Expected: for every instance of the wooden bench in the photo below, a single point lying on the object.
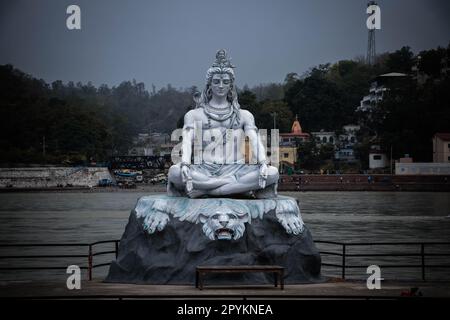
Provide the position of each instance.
(278, 272)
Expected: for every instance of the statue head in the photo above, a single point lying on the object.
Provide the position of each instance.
(219, 81)
(224, 224)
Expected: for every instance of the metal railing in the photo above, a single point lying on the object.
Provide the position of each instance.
(90, 255)
(343, 253)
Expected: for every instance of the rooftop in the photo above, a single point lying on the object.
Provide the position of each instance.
(443, 136)
(393, 74)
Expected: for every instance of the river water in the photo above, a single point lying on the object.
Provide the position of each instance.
(71, 217)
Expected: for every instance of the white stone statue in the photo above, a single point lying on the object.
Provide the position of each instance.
(221, 173)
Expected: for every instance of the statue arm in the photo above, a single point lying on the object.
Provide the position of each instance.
(188, 137)
(251, 131)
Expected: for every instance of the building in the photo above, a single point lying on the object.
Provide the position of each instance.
(441, 147)
(166, 149)
(141, 151)
(153, 144)
(295, 136)
(378, 87)
(343, 143)
(345, 155)
(289, 143)
(288, 155)
(440, 164)
(324, 137)
(422, 168)
(377, 158)
(348, 138)
(406, 159)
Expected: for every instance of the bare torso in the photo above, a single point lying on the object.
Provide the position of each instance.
(216, 138)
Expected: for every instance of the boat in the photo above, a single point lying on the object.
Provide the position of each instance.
(125, 173)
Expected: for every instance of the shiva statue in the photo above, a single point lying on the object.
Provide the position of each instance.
(222, 170)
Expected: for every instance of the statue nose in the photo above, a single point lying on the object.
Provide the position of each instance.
(223, 221)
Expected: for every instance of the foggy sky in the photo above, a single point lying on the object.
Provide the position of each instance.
(174, 41)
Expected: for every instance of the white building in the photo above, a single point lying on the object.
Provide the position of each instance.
(347, 139)
(323, 137)
(345, 154)
(378, 88)
(378, 160)
(441, 147)
(343, 144)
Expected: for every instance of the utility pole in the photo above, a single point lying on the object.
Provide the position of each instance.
(43, 146)
(274, 115)
(391, 160)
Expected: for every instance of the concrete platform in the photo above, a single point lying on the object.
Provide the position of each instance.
(333, 289)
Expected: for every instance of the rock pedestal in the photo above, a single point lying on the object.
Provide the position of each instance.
(167, 237)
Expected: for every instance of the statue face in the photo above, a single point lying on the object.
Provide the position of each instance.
(224, 224)
(220, 84)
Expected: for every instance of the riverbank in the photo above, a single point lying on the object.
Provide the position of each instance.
(138, 189)
(36, 178)
(346, 182)
(361, 182)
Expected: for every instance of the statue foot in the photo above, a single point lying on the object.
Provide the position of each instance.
(172, 191)
(193, 194)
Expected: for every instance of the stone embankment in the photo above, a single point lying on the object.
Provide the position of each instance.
(52, 177)
(362, 182)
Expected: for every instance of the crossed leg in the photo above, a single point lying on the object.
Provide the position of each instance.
(248, 182)
(200, 180)
(221, 186)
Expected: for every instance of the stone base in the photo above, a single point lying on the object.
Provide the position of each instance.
(171, 255)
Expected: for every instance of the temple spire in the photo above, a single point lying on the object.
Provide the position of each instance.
(296, 127)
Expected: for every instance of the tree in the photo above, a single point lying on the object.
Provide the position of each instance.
(247, 100)
(410, 115)
(318, 103)
(401, 60)
(284, 116)
(308, 155)
(290, 80)
(430, 61)
(271, 91)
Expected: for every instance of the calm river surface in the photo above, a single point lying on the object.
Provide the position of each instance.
(335, 216)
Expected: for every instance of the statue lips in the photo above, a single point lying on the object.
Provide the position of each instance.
(224, 234)
(224, 219)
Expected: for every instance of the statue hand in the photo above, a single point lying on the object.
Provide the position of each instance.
(184, 173)
(186, 178)
(263, 171)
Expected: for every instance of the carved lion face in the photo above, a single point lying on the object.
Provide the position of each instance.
(221, 225)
